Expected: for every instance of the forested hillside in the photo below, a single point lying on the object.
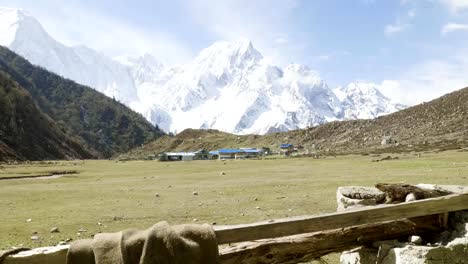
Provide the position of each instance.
(104, 125)
(27, 133)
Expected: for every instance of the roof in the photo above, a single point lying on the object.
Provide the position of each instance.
(252, 150)
(201, 151)
(179, 153)
(230, 151)
(286, 145)
(215, 152)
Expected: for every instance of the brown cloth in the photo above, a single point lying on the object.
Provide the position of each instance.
(159, 244)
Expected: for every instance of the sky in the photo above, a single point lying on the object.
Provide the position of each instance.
(415, 50)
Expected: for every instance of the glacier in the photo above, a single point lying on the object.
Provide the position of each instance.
(229, 86)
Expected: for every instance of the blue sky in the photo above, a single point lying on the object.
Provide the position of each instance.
(414, 49)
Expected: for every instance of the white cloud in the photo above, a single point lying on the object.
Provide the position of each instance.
(281, 40)
(263, 21)
(451, 27)
(429, 79)
(456, 5)
(114, 37)
(392, 29)
(401, 23)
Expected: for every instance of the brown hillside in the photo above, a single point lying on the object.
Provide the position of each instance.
(437, 125)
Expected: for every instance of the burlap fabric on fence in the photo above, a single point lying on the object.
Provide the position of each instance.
(159, 244)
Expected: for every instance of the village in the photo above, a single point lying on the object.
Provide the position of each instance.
(285, 149)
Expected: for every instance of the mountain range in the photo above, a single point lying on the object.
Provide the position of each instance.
(229, 86)
(440, 124)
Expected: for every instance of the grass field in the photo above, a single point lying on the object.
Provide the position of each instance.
(122, 195)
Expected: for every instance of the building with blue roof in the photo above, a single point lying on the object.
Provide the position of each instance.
(241, 153)
(286, 149)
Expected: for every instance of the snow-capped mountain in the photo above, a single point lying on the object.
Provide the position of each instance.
(229, 86)
(23, 34)
(363, 100)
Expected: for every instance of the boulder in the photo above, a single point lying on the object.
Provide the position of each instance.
(354, 196)
(451, 246)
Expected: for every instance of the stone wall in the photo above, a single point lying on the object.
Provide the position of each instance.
(450, 246)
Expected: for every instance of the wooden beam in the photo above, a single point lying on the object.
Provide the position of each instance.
(292, 249)
(309, 224)
(307, 247)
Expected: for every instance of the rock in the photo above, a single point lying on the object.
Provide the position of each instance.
(222, 173)
(255, 199)
(62, 243)
(417, 240)
(68, 239)
(258, 208)
(156, 195)
(410, 197)
(195, 193)
(54, 230)
(195, 220)
(353, 196)
(82, 230)
(28, 220)
(386, 140)
(200, 204)
(359, 256)
(35, 238)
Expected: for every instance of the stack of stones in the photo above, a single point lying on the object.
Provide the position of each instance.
(449, 247)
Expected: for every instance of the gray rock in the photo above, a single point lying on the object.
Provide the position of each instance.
(410, 197)
(54, 230)
(352, 196)
(417, 240)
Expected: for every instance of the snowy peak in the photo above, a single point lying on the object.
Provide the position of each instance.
(143, 69)
(10, 21)
(363, 100)
(363, 89)
(23, 34)
(226, 57)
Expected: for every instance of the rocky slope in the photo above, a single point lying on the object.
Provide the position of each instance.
(437, 125)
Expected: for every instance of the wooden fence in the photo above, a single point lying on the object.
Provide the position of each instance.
(300, 239)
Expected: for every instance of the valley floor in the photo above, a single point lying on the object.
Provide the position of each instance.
(107, 196)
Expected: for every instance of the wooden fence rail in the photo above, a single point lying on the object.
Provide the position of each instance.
(299, 239)
(368, 215)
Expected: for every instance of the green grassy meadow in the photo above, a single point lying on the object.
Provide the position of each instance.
(122, 195)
